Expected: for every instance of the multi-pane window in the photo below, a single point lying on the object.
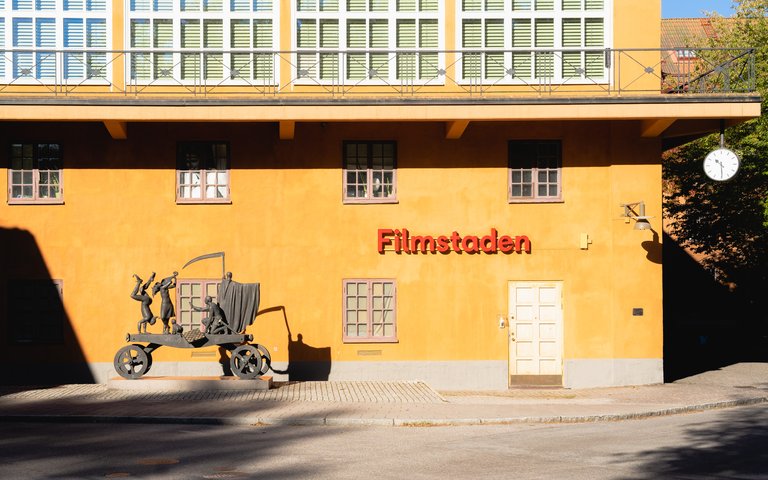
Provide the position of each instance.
(370, 172)
(369, 310)
(202, 172)
(194, 291)
(523, 40)
(379, 40)
(216, 41)
(48, 39)
(35, 311)
(34, 173)
(535, 170)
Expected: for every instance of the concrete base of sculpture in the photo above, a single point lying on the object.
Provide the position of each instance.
(189, 384)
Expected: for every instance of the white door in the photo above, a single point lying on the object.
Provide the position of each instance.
(535, 331)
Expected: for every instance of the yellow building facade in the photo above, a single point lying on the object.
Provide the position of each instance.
(424, 190)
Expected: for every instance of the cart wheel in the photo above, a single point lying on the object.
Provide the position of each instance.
(132, 361)
(246, 362)
(266, 359)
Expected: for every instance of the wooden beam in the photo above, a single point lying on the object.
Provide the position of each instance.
(455, 129)
(118, 130)
(654, 128)
(287, 129)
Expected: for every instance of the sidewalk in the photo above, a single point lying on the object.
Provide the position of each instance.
(385, 403)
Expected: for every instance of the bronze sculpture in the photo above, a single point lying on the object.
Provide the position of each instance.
(215, 323)
(166, 307)
(140, 294)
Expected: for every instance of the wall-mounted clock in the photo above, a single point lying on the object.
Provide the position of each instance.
(721, 164)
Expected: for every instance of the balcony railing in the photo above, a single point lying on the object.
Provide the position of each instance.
(335, 74)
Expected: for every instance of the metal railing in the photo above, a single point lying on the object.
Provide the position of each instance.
(375, 73)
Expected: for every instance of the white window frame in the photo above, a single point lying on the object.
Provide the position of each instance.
(557, 15)
(59, 15)
(226, 16)
(392, 16)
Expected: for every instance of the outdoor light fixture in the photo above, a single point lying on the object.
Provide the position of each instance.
(636, 211)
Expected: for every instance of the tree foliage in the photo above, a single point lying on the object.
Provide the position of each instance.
(727, 223)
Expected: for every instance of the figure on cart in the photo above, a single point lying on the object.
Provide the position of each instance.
(139, 294)
(215, 323)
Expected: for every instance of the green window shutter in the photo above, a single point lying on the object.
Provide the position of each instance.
(307, 33)
(595, 37)
(572, 32)
(406, 5)
(329, 38)
(262, 5)
(594, 4)
(213, 37)
(521, 4)
(544, 36)
(521, 33)
(356, 5)
(406, 39)
(240, 32)
(494, 5)
(545, 33)
(379, 35)
(240, 5)
(140, 37)
(595, 32)
(428, 5)
(494, 38)
(379, 5)
(307, 5)
(190, 5)
(190, 33)
(240, 38)
(307, 38)
(262, 33)
(572, 4)
(357, 67)
(190, 38)
(329, 5)
(213, 5)
(163, 34)
(428, 38)
(163, 5)
(545, 5)
(471, 5)
(472, 37)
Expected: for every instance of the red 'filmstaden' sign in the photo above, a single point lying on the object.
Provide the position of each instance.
(401, 241)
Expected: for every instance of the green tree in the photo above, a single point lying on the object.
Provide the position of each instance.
(727, 223)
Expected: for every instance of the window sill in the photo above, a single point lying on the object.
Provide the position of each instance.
(223, 201)
(369, 340)
(534, 200)
(370, 201)
(35, 202)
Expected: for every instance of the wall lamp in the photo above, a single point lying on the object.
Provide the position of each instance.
(636, 211)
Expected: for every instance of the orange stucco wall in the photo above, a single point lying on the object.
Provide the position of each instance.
(288, 228)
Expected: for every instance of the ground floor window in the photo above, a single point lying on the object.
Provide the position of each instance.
(194, 291)
(35, 311)
(369, 310)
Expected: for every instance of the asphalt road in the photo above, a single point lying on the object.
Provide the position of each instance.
(721, 444)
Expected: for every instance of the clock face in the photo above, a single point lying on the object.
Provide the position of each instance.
(721, 164)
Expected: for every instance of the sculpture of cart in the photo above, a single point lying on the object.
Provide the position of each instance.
(239, 302)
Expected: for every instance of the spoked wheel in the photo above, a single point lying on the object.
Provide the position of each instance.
(132, 361)
(266, 359)
(246, 361)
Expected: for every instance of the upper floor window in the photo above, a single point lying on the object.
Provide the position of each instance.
(369, 311)
(35, 311)
(47, 41)
(211, 41)
(535, 171)
(370, 172)
(34, 175)
(202, 172)
(379, 40)
(559, 41)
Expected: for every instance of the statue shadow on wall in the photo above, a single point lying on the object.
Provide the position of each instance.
(305, 362)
